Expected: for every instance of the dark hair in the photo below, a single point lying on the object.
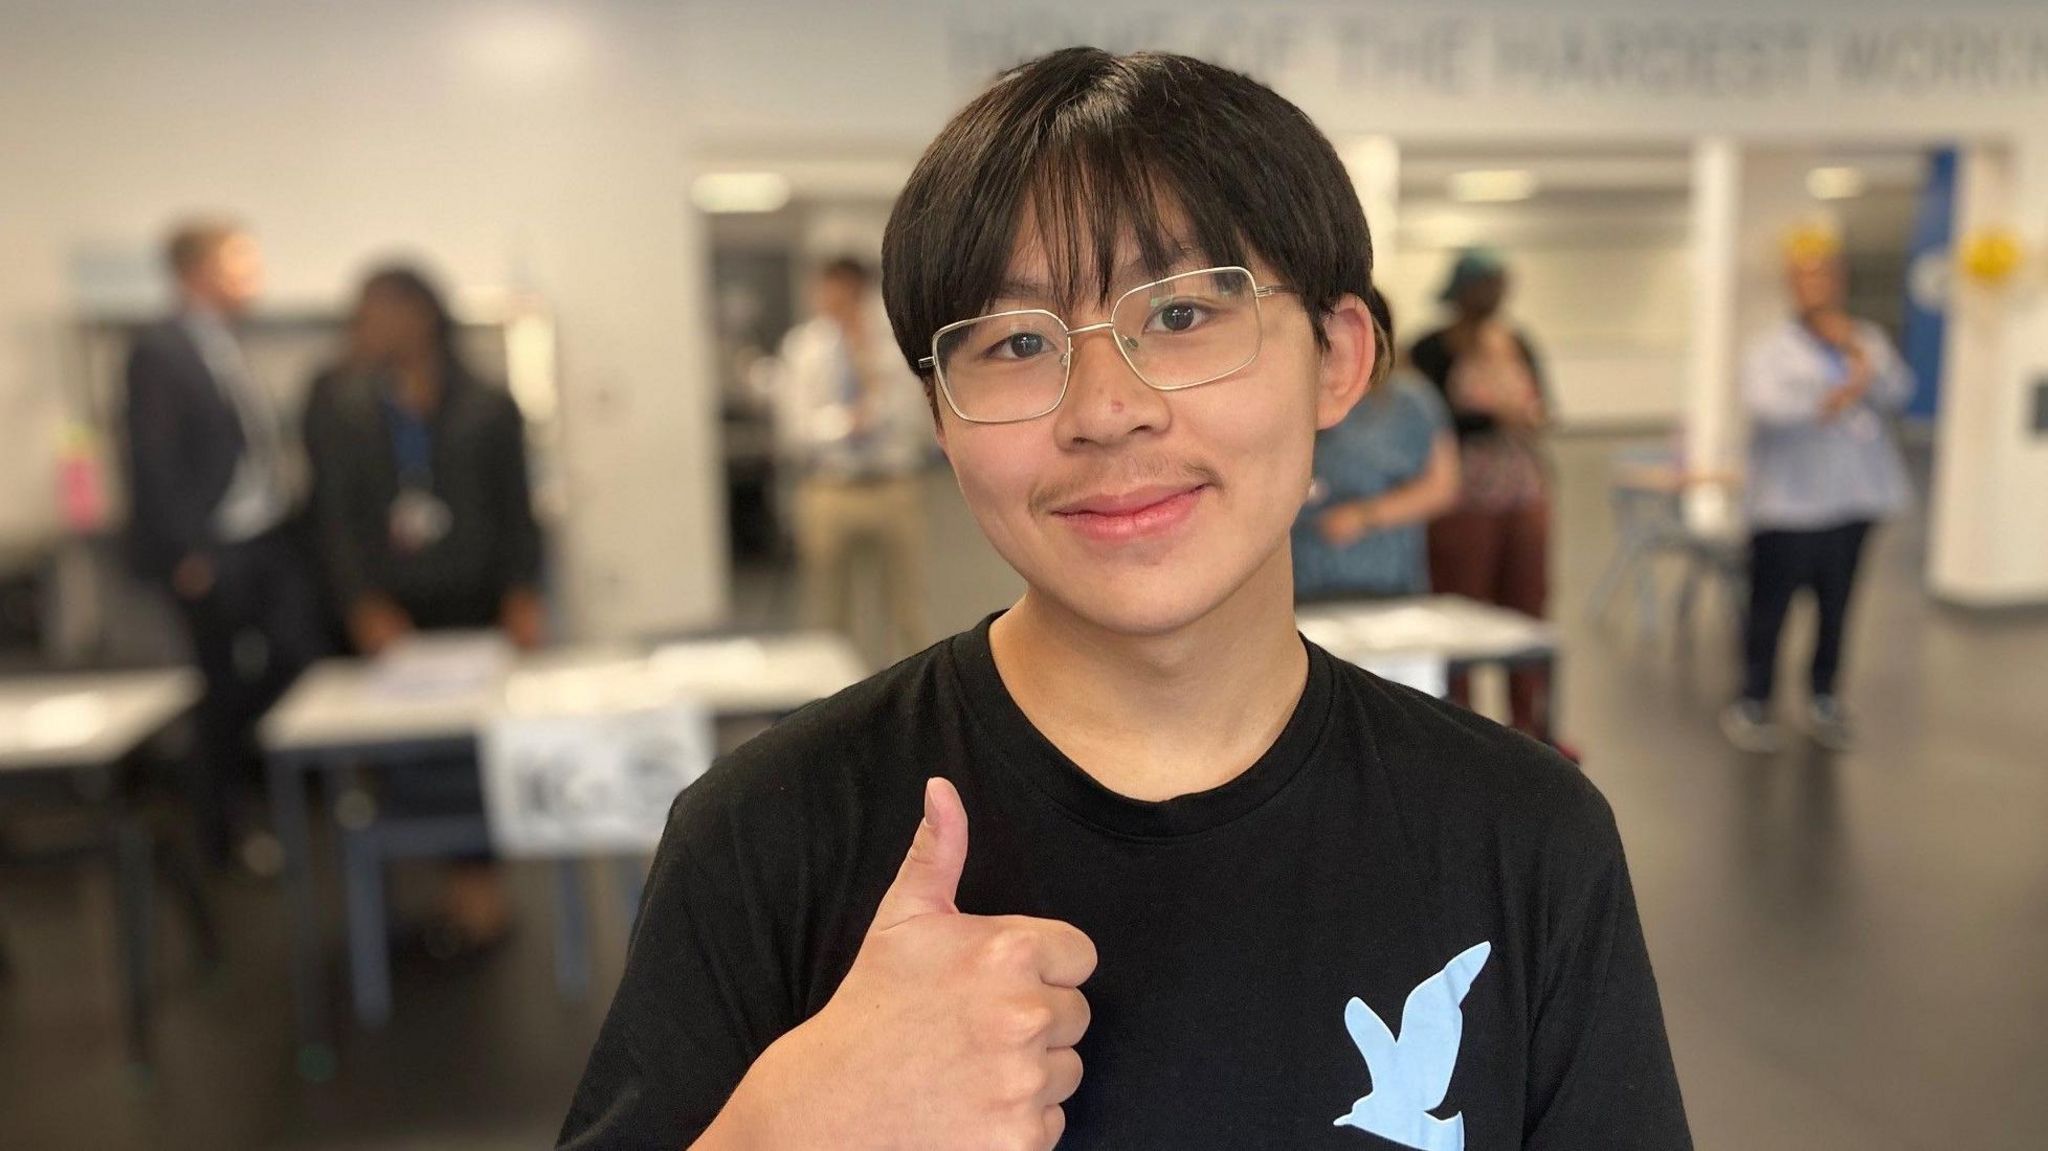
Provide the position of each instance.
(1094, 145)
(848, 268)
(1383, 333)
(192, 242)
(415, 288)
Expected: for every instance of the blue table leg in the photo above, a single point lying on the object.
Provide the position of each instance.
(316, 1060)
(369, 945)
(572, 931)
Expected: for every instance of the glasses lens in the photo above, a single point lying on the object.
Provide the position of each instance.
(1192, 328)
(1008, 366)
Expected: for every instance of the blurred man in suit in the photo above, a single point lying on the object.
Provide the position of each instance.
(211, 496)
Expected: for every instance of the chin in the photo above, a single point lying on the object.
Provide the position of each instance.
(1138, 604)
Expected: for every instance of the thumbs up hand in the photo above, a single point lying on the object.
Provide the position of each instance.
(950, 1032)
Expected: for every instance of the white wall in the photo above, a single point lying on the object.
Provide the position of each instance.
(510, 145)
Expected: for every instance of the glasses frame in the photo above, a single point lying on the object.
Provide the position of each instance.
(1259, 292)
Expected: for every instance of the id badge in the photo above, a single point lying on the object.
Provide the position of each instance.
(419, 519)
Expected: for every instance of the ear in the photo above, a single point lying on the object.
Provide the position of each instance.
(1351, 364)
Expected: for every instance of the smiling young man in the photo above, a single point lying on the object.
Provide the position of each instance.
(1135, 824)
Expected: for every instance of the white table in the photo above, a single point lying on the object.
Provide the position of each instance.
(79, 730)
(344, 713)
(1463, 633)
(71, 721)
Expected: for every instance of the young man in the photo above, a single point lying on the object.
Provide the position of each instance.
(1135, 822)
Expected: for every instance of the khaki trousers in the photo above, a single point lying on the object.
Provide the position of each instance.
(836, 520)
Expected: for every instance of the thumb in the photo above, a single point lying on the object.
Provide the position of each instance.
(930, 875)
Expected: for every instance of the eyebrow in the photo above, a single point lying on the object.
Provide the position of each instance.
(1037, 291)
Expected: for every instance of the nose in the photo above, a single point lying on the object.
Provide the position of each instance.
(1106, 402)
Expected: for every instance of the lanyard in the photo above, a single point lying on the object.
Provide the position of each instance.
(412, 446)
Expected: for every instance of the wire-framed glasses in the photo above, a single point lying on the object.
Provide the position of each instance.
(1181, 332)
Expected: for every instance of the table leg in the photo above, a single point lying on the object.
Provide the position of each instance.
(572, 931)
(369, 944)
(294, 833)
(134, 876)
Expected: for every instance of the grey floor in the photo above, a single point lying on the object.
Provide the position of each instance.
(1853, 950)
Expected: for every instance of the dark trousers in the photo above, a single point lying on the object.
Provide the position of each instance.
(254, 631)
(1781, 563)
(1499, 558)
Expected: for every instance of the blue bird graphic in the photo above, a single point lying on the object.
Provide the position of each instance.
(1411, 1075)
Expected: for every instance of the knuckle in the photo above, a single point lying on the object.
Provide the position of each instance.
(1029, 1021)
(1009, 949)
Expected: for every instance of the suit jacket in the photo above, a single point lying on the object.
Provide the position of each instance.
(184, 442)
(477, 464)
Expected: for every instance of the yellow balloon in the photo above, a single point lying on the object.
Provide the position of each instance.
(1990, 256)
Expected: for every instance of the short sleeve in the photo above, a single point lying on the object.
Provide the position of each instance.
(1426, 408)
(1600, 1070)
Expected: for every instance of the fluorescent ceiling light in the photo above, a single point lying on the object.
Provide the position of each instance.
(740, 191)
(1492, 185)
(1835, 183)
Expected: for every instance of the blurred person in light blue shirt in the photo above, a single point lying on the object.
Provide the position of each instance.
(855, 427)
(1822, 470)
(1380, 476)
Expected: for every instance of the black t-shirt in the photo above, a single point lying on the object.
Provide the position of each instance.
(1389, 849)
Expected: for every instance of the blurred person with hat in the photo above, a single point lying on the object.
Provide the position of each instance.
(1494, 546)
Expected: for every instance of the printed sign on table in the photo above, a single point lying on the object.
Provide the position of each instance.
(593, 783)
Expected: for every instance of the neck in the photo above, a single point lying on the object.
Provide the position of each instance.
(417, 381)
(1158, 716)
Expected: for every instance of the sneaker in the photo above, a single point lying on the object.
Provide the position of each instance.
(1829, 724)
(1748, 725)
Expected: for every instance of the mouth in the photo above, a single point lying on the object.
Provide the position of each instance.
(1113, 517)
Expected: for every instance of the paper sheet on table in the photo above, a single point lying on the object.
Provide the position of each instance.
(440, 666)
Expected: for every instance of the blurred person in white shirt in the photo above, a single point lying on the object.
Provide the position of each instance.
(855, 427)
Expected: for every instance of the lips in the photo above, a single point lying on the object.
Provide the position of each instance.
(1140, 513)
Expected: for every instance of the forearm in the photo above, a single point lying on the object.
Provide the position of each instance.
(1410, 503)
(1429, 495)
(1785, 402)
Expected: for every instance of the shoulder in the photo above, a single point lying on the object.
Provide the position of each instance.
(1779, 339)
(1433, 343)
(1418, 399)
(160, 342)
(1460, 778)
(488, 401)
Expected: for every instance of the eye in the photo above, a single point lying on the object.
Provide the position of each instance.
(1020, 346)
(1177, 316)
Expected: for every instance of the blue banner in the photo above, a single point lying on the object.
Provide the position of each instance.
(1928, 280)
